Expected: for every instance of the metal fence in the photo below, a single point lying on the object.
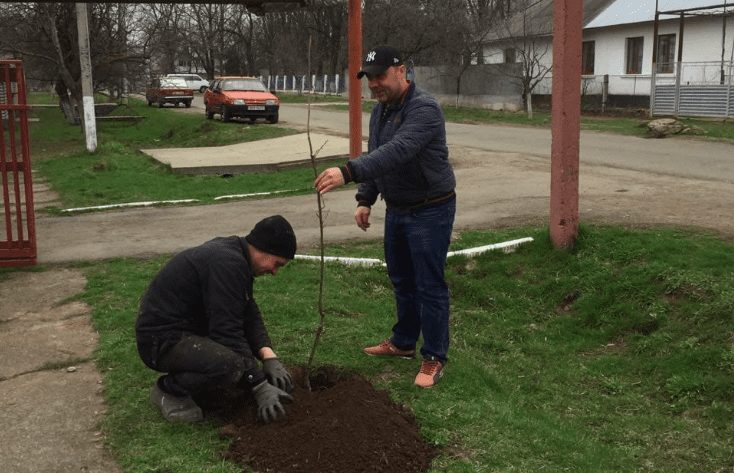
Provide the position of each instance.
(17, 230)
(616, 84)
(326, 84)
(697, 89)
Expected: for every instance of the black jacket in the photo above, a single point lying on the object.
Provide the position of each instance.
(206, 291)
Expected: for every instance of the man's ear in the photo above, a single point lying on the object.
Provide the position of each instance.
(401, 71)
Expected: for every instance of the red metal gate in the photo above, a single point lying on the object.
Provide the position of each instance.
(17, 231)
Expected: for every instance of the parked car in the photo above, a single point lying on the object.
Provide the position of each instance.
(244, 97)
(165, 90)
(194, 81)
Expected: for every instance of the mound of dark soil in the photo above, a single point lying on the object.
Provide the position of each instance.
(342, 425)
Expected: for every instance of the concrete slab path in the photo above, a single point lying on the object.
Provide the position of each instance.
(51, 400)
(255, 156)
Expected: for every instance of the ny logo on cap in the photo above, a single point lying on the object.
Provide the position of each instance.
(370, 56)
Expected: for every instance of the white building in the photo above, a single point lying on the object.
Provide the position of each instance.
(622, 38)
(618, 43)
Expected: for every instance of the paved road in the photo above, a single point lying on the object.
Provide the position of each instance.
(503, 177)
(676, 157)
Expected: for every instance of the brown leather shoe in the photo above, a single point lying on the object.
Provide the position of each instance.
(430, 373)
(386, 348)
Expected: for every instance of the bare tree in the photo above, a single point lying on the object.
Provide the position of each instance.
(162, 35)
(284, 35)
(449, 34)
(416, 28)
(44, 35)
(241, 56)
(526, 39)
(329, 26)
(115, 55)
(472, 23)
(208, 34)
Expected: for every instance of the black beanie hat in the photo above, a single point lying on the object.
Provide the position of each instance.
(274, 235)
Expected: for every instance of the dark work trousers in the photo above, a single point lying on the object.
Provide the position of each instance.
(193, 364)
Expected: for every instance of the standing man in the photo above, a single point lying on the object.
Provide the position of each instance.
(408, 165)
(198, 323)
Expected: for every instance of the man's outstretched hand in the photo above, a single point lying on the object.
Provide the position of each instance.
(328, 180)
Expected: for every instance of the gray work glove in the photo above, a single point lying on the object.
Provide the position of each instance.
(277, 374)
(269, 402)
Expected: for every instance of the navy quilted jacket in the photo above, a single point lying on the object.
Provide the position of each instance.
(407, 160)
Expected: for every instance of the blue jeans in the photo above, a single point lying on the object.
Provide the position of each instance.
(416, 243)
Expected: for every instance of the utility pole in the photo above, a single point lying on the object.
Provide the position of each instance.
(566, 122)
(354, 84)
(89, 123)
(723, 44)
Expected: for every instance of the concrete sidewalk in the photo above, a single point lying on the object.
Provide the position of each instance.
(51, 401)
(254, 156)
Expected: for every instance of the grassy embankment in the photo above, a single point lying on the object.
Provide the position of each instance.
(615, 357)
(118, 172)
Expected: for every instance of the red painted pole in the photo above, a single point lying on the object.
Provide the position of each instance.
(355, 87)
(566, 122)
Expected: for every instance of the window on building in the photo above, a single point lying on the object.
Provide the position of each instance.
(587, 57)
(510, 56)
(634, 55)
(666, 53)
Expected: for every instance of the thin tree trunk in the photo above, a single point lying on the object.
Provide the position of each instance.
(69, 90)
(530, 104)
(320, 207)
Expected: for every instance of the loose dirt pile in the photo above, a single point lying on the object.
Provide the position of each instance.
(342, 425)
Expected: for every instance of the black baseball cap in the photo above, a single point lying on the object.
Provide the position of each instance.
(379, 59)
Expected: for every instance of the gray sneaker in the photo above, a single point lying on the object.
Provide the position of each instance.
(175, 408)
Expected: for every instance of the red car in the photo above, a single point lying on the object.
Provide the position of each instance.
(244, 97)
(165, 90)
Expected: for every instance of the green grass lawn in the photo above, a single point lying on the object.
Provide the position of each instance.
(49, 98)
(290, 97)
(117, 172)
(615, 357)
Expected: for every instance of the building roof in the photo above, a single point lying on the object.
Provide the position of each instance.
(537, 19)
(622, 12)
